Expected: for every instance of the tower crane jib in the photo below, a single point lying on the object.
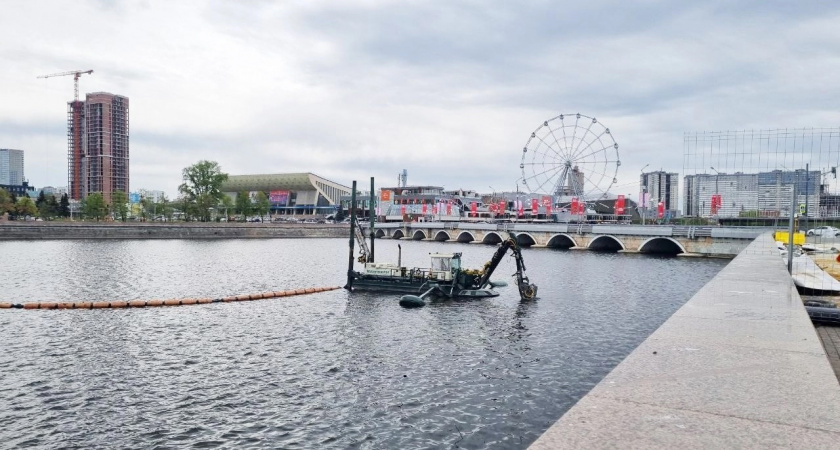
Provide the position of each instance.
(76, 74)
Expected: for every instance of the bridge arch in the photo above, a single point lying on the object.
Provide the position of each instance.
(662, 245)
(380, 233)
(398, 234)
(561, 240)
(606, 243)
(525, 239)
(442, 236)
(465, 237)
(492, 238)
(418, 235)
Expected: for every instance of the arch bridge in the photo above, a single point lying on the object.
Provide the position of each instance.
(652, 239)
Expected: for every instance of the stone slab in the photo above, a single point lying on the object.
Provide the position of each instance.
(614, 424)
(739, 365)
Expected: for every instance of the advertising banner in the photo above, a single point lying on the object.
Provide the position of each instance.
(535, 207)
(521, 208)
(385, 196)
(660, 209)
(448, 208)
(424, 208)
(278, 197)
(619, 205)
(402, 210)
(502, 206)
(474, 209)
(134, 197)
(574, 206)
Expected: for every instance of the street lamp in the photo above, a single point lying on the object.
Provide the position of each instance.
(717, 175)
(644, 192)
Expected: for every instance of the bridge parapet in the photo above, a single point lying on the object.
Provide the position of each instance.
(699, 240)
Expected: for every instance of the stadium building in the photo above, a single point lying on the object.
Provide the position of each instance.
(291, 193)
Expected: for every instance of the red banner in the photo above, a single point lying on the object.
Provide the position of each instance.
(548, 209)
(660, 209)
(574, 206)
(502, 206)
(402, 210)
(448, 208)
(535, 207)
(434, 209)
(474, 209)
(717, 202)
(424, 208)
(619, 205)
(521, 208)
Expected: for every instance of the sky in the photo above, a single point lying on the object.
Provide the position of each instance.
(449, 90)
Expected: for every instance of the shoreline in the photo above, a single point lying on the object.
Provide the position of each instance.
(10, 230)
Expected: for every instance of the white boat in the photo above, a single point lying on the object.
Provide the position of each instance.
(808, 275)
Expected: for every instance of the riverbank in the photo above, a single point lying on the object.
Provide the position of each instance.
(166, 230)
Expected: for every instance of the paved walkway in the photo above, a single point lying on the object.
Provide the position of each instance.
(738, 366)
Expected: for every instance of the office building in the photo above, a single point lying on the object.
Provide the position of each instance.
(11, 167)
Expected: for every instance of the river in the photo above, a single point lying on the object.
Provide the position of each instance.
(326, 370)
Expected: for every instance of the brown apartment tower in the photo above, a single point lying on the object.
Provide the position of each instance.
(98, 145)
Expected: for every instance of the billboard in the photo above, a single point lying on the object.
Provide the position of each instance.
(278, 197)
(385, 196)
(134, 197)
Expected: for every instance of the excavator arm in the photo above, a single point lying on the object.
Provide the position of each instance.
(527, 291)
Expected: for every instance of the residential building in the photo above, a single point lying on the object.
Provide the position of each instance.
(663, 187)
(106, 145)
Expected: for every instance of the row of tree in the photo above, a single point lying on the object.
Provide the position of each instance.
(201, 195)
(44, 206)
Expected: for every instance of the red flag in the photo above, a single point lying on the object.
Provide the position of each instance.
(424, 208)
(619, 205)
(448, 208)
(535, 208)
(521, 208)
(574, 206)
(434, 209)
(402, 210)
(661, 209)
(474, 209)
(548, 209)
(502, 206)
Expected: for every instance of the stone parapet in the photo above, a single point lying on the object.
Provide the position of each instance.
(738, 366)
(87, 230)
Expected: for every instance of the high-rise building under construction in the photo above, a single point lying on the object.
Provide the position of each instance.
(98, 145)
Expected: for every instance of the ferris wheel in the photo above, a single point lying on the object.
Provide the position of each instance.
(570, 155)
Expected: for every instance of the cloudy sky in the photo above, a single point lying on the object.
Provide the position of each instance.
(450, 90)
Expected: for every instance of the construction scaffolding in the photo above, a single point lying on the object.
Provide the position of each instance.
(756, 173)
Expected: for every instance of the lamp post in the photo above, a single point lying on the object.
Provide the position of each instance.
(644, 192)
(717, 175)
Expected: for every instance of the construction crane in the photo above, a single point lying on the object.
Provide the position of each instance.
(76, 74)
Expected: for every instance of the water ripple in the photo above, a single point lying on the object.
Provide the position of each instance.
(329, 370)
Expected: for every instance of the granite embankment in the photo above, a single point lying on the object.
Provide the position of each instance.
(157, 230)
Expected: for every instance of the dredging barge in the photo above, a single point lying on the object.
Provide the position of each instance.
(443, 278)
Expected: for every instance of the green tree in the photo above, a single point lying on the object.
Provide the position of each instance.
(228, 205)
(261, 205)
(64, 206)
(6, 203)
(26, 207)
(48, 207)
(164, 208)
(94, 207)
(119, 205)
(42, 199)
(202, 187)
(243, 204)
